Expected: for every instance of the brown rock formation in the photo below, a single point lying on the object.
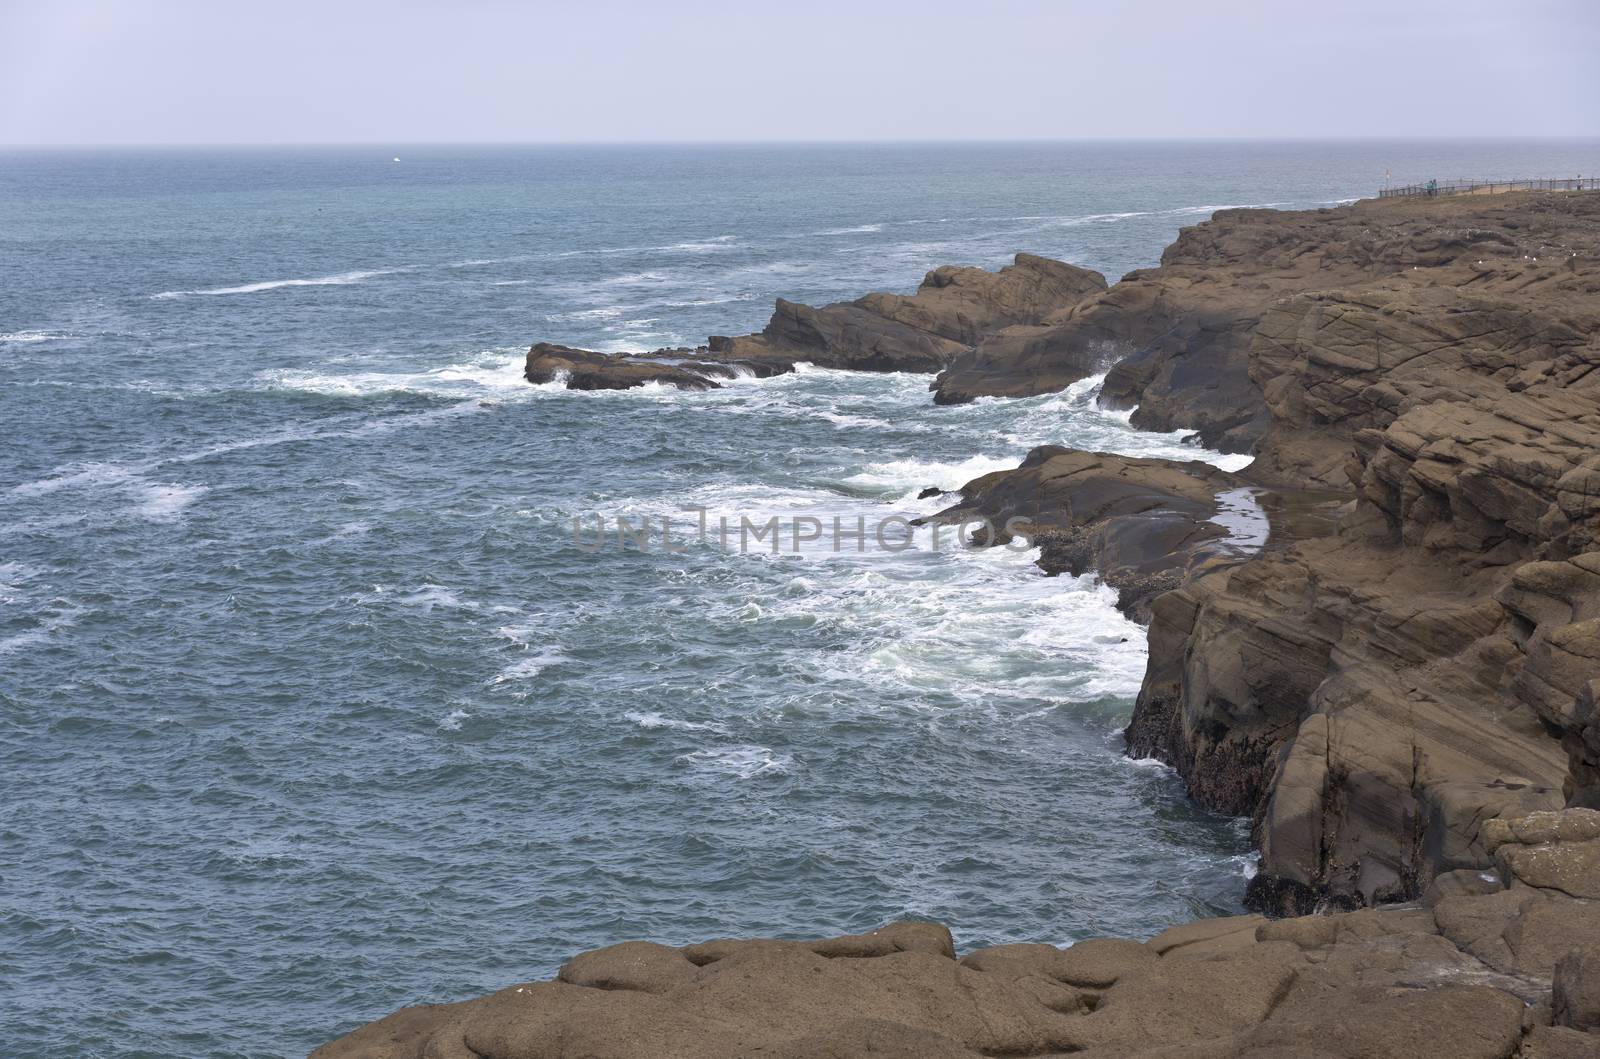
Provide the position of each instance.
(586, 370)
(1493, 972)
(952, 309)
(1374, 695)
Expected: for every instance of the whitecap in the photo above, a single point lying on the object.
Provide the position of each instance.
(910, 476)
(745, 762)
(653, 720)
(59, 614)
(166, 503)
(336, 280)
(531, 666)
(429, 597)
(497, 371)
(452, 721)
(28, 337)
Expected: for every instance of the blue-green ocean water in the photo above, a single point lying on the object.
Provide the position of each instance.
(309, 706)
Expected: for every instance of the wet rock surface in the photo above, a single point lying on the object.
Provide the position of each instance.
(1196, 343)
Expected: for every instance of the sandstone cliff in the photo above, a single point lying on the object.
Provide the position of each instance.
(1374, 695)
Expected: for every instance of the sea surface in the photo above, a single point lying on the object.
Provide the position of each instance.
(311, 704)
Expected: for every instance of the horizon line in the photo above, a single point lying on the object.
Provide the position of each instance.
(114, 145)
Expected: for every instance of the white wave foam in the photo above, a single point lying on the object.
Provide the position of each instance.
(452, 721)
(745, 762)
(1153, 764)
(533, 665)
(429, 597)
(604, 312)
(1187, 211)
(1095, 218)
(860, 229)
(715, 243)
(902, 476)
(337, 280)
(166, 503)
(495, 372)
(28, 337)
(628, 279)
(59, 614)
(652, 720)
(90, 474)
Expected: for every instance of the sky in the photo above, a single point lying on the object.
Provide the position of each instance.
(89, 72)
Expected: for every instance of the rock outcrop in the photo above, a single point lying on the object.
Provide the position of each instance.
(1145, 526)
(1478, 968)
(582, 369)
(953, 309)
(1400, 685)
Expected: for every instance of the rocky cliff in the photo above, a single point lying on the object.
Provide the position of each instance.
(1373, 695)
(1399, 684)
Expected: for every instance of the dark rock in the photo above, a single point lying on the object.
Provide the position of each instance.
(1576, 997)
(586, 370)
(1143, 525)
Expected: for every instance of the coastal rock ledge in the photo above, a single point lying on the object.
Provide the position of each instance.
(1488, 965)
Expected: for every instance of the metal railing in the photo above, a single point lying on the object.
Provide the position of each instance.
(1491, 187)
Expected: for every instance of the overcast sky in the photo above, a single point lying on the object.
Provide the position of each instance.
(397, 71)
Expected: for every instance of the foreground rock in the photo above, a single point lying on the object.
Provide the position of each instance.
(1474, 970)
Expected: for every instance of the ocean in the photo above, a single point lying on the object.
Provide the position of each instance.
(314, 705)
